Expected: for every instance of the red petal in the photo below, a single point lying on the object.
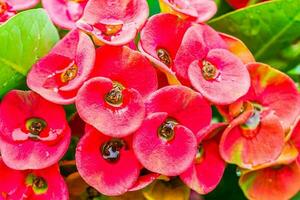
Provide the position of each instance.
(224, 88)
(183, 104)
(113, 121)
(127, 67)
(64, 13)
(76, 48)
(196, 43)
(272, 183)
(19, 151)
(203, 177)
(168, 158)
(131, 15)
(108, 178)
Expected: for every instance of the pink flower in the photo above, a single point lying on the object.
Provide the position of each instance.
(8, 8)
(159, 42)
(113, 102)
(34, 133)
(113, 22)
(165, 142)
(58, 76)
(203, 61)
(197, 10)
(65, 13)
(43, 184)
(208, 167)
(260, 119)
(107, 164)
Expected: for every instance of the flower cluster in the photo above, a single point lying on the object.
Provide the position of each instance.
(147, 105)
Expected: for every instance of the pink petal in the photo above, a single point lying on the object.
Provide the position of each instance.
(129, 14)
(64, 13)
(22, 4)
(144, 181)
(156, 35)
(45, 76)
(128, 67)
(11, 183)
(106, 177)
(18, 150)
(204, 176)
(183, 104)
(169, 158)
(195, 45)
(198, 10)
(275, 91)
(113, 121)
(224, 88)
(265, 145)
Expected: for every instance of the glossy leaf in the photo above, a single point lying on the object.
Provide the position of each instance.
(23, 40)
(269, 29)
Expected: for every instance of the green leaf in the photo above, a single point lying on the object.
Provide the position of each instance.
(270, 30)
(24, 39)
(154, 7)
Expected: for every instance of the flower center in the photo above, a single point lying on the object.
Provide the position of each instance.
(199, 154)
(111, 150)
(35, 126)
(166, 130)
(3, 7)
(251, 125)
(69, 74)
(209, 71)
(164, 56)
(115, 97)
(39, 184)
(109, 29)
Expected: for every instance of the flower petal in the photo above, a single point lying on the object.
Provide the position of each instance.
(277, 183)
(248, 151)
(198, 10)
(224, 88)
(113, 121)
(114, 22)
(64, 13)
(204, 176)
(18, 150)
(128, 67)
(74, 50)
(108, 178)
(169, 158)
(188, 107)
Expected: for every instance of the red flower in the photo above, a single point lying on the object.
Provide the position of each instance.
(203, 61)
(65, 13)
(198, 10)
(44, 184)
(114, 22)
(107, 164)
(113, 102)
(160, 42)
(276, 180)
(208, 167)
(263, 116)
(34, 133)
(58, 76)
(165, 142)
